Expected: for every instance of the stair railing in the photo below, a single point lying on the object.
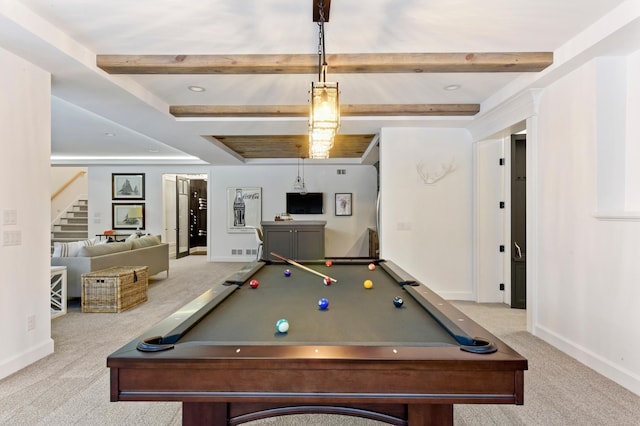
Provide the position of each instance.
(68, 183)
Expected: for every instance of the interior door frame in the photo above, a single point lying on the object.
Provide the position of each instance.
(182, 215)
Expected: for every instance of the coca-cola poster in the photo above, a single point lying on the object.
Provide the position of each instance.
(244, 209)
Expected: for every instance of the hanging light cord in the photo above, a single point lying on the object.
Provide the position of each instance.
(322, 57)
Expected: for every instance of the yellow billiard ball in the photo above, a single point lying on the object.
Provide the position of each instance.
(368, 284)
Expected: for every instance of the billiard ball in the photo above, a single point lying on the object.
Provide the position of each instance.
(368, 284)
(323, 304)
(282, 326)
(287, 273)
(327, 281)
(328, 263)
(254, 283)
(398, 302)
(372, 266)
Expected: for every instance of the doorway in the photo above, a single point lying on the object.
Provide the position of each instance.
(185, 213)
(518, 221)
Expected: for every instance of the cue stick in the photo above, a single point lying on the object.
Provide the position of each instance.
(294, 263)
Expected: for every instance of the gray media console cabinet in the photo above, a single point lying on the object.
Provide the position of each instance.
(297, 240)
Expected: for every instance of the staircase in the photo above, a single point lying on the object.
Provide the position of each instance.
(73, 225)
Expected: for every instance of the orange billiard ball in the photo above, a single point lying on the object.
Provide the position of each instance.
(368, 284)
(372, 266)
(328, 263)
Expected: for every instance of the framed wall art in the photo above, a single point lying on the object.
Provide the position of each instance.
(125, 186)
(127, 216)
(244, 209)
(343, 204)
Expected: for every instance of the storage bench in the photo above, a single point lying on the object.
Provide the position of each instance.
(114, 289)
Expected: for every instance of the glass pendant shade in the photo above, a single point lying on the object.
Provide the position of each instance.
(320, 142)
(298, 184)
(325, 107)
(324, 118)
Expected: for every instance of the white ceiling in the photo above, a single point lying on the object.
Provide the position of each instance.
(64, 36)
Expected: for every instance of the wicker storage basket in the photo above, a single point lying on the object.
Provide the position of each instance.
(114, 289)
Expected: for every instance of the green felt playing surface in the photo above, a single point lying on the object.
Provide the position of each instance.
(356, 316)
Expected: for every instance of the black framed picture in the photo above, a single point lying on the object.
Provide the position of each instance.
(343, 204)
(127, 216)
(127, 186)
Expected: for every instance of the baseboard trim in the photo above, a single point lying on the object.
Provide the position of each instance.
(606, 367)
(26, 358)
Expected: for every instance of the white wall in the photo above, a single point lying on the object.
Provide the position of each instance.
(344, 235)
(24, 195)
(100, 201)
(588, 274)
(427, 229)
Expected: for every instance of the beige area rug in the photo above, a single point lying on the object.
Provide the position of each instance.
(71, 386)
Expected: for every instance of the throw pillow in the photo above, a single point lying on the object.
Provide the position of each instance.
(72, 248)
(132, 237)
(103, 249)
(145, 241)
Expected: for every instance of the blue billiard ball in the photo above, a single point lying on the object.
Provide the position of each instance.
(287, 273)
(398, 302)
(323, 304)
(282, 326)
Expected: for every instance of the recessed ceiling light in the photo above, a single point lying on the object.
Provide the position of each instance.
(452, 87)
(197, 88)
(154, 151)
(109, 134)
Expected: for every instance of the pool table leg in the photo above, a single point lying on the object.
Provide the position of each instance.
(430, 414)
(204, 413)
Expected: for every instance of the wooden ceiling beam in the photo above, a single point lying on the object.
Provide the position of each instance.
(338, 63)
(346, 110)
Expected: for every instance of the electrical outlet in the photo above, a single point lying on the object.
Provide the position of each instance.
(31, 322)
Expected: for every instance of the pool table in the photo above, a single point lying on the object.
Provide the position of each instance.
(222, 356)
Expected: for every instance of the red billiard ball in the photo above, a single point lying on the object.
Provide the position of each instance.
(372, 266)
(327, 281)
(254, 283)
(328, 263)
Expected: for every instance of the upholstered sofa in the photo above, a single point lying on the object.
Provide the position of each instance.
(143, 251)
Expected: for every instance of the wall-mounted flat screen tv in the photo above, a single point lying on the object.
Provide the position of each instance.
(307, 203)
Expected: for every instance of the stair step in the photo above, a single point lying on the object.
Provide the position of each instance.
(71, 220)
(71, 227)
(66, 240)
(74, 226)
(78, 235)
(76, 214)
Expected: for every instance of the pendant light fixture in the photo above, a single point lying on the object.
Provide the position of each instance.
(324, 118)
(298, 184)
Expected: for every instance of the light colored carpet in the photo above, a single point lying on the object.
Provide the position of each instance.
(71, 386)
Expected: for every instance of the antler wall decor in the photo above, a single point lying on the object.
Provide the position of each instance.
(431, 177)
